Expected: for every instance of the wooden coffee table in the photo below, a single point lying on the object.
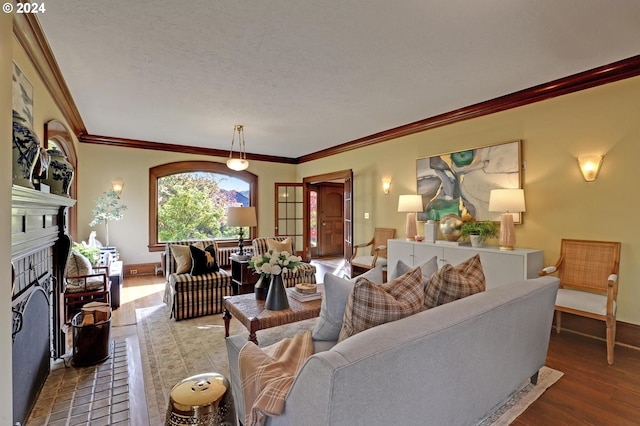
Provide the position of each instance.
(252, 314)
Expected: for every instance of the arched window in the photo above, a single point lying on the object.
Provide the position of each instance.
(57, 135)
(188, 201)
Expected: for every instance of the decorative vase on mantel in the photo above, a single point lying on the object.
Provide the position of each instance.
(277, 296)
(60, 173)
(26, 148)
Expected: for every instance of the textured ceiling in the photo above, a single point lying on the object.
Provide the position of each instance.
(302, 76)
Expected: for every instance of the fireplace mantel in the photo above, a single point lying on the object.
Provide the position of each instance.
(34, 219)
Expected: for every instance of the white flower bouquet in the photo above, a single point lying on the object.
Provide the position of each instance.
(273, 263)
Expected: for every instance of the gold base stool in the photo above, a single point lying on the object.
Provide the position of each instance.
(204, 399)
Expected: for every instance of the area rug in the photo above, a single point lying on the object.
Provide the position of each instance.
(174, 350)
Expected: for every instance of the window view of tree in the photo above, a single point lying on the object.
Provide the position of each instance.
(193, 205)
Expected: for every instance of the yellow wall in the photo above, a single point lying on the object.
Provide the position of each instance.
(44, 107)
(6, 317)
(99, 164)
(559, 203)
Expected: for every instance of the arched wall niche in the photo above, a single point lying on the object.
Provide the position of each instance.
(56, 132)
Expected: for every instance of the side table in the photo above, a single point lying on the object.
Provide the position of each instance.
(243, 279)
(115, 276)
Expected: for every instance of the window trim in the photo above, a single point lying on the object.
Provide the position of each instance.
(188, 167)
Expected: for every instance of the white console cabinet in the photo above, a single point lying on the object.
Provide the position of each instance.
(500, 266)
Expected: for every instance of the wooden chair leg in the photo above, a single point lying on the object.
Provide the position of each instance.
(611, 340)
(558, 321)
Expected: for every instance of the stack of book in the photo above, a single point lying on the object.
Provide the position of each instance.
(303, 297)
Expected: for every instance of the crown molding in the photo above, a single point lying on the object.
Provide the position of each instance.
(616, 71)
(29, 34)
(169, 147)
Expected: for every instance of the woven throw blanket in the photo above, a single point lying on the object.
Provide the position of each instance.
(267, 374)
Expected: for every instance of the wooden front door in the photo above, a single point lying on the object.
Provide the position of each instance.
(330, 219)
(321, 216)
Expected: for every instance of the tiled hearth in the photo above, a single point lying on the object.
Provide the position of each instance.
(96, 395)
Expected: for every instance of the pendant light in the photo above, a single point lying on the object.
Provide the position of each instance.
(241, 162)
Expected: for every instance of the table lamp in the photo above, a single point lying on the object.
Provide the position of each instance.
(507, 201)
(241, 217)
(410, 204)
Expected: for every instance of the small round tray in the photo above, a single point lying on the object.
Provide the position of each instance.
(306, 288)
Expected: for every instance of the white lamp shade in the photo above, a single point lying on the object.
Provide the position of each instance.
(410, 203)
(590, 166)
(241, 216)
(237, 164)
(507, 200)
(117, 184)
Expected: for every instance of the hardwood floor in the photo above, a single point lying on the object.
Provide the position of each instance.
(590, 392)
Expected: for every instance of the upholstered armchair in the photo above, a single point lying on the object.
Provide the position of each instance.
(305, 273)
(196, 285)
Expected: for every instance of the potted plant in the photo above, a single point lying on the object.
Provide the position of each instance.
(91, 253)
(107, 208)
(478, 232)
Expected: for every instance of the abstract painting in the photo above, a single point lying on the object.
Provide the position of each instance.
(460, 182)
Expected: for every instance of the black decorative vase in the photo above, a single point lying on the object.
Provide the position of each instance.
(277, 297)
(262, 287)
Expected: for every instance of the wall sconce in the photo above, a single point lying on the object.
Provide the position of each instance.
(386, 185)
(117, 184)
(590, 166)
(507, 201)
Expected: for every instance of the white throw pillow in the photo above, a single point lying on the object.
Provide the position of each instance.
(374, 275)
(182, 255)
(334, 303)
(78, 265)
(427, 268)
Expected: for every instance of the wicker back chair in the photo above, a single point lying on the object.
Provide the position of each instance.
(361, 261)
(588, 272)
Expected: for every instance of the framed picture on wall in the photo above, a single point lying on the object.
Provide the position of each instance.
(22, 95)
(460, 182)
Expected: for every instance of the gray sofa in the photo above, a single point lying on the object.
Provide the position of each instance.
(449, 365)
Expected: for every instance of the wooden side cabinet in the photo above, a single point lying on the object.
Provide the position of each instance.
(500, 266)
(243, 279)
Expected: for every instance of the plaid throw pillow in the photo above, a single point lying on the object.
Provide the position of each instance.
(455, 282)
(371, 304)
